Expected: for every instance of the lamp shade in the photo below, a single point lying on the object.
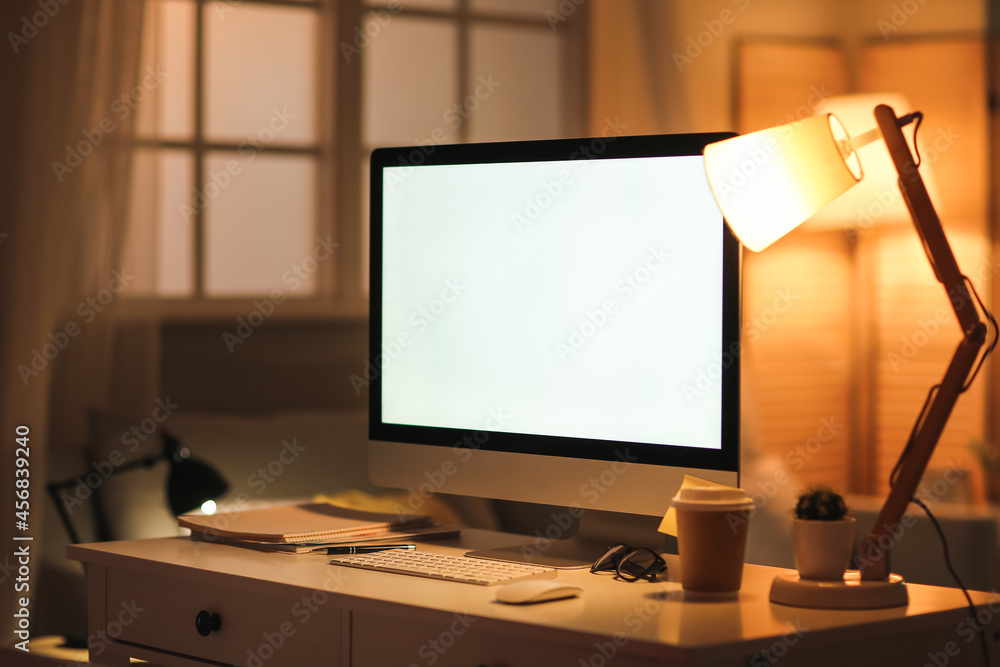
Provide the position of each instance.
(769, 182)
(190, 483)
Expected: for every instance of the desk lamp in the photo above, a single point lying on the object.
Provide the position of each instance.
(766, 184)
(190, 482)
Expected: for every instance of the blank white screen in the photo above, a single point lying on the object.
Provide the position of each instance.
(579, 298)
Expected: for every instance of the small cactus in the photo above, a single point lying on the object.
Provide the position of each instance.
(821, 503)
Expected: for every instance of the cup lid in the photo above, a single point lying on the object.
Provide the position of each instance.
(713, 498)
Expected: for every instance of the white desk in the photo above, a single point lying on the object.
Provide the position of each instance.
(278, 609)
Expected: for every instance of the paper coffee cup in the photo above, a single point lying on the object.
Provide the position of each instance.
(711, 539)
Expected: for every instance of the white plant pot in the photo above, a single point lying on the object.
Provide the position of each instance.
(822, 549)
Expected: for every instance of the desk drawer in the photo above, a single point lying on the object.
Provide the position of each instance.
(446, 640)
(254, 630)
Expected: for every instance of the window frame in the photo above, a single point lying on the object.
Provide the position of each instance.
(341, 288)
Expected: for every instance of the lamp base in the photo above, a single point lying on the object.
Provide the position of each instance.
(850, 593)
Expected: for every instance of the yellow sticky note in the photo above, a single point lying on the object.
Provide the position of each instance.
(669, 523)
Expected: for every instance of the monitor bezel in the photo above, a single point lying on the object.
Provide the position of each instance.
(723, 459)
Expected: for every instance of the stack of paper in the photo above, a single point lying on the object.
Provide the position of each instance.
(304, 527)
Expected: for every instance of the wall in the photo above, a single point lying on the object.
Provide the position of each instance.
(282, 366)
(672, 73)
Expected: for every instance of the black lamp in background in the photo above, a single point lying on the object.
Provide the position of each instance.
(190, 483)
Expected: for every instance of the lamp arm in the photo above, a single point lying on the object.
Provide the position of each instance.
(55, 488)
(873, 554)
(144, 462)
(925, 218)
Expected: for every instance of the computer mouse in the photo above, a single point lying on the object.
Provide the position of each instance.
(536, 590)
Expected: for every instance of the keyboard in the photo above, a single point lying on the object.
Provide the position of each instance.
(445, 567)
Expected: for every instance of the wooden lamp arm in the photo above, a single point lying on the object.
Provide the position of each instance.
(873, 554)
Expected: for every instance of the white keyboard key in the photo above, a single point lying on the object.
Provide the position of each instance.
(445, 567)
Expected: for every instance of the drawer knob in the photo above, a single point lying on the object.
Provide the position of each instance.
(205, 623)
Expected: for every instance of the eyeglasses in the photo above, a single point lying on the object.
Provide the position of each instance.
(631, 563)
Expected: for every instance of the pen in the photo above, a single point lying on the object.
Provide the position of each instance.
(367, 549)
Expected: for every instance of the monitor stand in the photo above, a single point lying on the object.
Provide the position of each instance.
(579, 544)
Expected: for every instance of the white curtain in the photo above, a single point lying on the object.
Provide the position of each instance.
(74, 69)
(634, 76)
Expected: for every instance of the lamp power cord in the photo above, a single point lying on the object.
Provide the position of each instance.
(979, 628)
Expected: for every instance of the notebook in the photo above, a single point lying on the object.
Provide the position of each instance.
(433, 532)
(292, 524)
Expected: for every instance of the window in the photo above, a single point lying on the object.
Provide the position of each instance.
(231, 149)
(488, 70)
(251, 173)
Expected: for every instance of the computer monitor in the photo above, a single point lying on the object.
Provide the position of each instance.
(553, 321)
